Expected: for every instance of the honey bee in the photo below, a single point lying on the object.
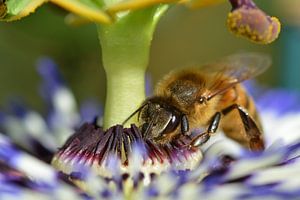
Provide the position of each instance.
(210, 96)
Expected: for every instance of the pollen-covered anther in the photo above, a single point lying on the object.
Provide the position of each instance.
(92, 147)
(248, 21)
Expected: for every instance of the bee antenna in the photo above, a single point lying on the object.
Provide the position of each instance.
(136, 111)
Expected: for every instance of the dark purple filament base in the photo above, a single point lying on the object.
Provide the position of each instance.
(91, 143)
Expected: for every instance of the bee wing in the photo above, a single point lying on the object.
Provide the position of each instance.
(234, 69)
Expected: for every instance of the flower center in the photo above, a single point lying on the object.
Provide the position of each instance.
(92, 147)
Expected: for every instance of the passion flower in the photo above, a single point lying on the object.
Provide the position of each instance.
(226, 171)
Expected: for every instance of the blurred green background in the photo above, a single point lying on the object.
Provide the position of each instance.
(183, 38)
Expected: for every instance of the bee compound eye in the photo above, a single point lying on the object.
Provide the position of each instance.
(172, 125)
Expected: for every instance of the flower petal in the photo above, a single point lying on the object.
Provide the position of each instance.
(134, 5)
(62, 104)
(11, 10)
(86, 8)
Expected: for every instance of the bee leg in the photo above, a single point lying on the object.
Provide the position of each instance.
(252, 131)
(184, 124)
(214, 124)
(212, 128)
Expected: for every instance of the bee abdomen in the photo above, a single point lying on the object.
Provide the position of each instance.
(232, 124)
(238, 95)
(247, 102)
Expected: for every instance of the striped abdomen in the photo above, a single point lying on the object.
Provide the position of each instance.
(232, 124)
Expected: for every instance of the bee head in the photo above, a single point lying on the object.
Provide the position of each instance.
(159, 119)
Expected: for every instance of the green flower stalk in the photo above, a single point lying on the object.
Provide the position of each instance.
(125, 53)
(125, 29)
